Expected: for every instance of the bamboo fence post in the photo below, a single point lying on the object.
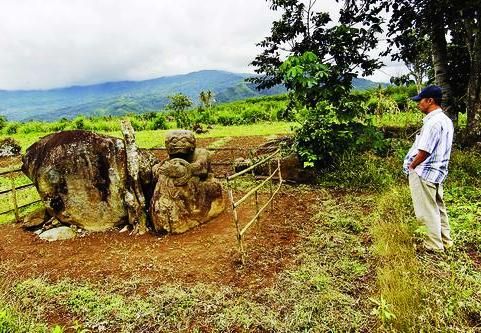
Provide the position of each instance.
(236, 221)
(14, 199)
(232, 160)
(256, 195)
(270, 187)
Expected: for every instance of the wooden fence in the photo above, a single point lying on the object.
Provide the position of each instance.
(241, 230)
(13, 192)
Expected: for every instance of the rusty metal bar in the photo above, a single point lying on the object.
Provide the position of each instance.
(252, 166)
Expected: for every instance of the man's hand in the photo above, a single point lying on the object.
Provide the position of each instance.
(420, 158)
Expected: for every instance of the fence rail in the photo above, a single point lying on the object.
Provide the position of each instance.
(13, 190)
(241, 231)
(7, 172)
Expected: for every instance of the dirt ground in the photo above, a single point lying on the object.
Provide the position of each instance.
(207, 253)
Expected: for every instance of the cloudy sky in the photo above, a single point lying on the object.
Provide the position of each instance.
(56, 43)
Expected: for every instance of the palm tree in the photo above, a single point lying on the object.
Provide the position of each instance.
(206, 99)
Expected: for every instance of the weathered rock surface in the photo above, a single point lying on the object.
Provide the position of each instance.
(35, 219)
(186, 193)
(81, 178)
(9, 147)
(59, 233)
(292, 169)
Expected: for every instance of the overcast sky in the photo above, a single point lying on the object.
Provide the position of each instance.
(57, 43)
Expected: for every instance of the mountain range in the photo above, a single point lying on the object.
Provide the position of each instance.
(118, 98)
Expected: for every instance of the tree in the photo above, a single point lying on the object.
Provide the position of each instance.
(317, 60)
(456, 60)
(344, 47)
(206, 99)
(330, 127)
(3, 121)
(179, 103)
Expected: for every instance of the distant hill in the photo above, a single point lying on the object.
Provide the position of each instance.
(117, 98)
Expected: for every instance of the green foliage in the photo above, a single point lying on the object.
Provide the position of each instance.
(3, 122)
(332, 125)
(247, 111)
(362, 171)
(305, 76)
(12, 128)
(326, 134)
(159, 122)
(300, 28)
(383, 311)
(12, 321)
(79, 123)
(179, 103)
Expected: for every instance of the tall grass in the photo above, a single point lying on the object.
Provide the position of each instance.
(398, 274)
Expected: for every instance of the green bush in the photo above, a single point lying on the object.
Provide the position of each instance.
(79, 123)
(362, 171)
(12, 128)
(159, 122)
(325, 135)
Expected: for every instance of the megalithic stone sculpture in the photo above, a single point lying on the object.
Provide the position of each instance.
(186, 193)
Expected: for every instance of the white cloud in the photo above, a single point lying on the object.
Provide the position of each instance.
(54, 43)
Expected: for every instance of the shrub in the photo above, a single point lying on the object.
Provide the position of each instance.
(324, 135)
(79, 123)
(12, 128)
(159, 122)
(3, 122)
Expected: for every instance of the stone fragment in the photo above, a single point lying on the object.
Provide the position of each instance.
(35, 219)
(292, 168)
(59, 233)
(9, 147)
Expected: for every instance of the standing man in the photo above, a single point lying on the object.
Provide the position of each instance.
(427, 166)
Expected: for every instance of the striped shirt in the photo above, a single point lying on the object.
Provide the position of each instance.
(436, 138)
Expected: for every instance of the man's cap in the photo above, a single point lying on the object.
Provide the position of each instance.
(429, 92)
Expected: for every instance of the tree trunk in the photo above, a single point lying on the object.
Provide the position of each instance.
(440, 60)
(134, 197)
(474, 84)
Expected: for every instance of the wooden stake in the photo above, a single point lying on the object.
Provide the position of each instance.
(14, 200)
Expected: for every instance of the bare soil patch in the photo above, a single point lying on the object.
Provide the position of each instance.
(206, 254)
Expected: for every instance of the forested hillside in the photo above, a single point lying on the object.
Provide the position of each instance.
(119, 98)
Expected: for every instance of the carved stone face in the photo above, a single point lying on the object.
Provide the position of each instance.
(180, 142)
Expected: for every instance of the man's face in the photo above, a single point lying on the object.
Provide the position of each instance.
(425, 104)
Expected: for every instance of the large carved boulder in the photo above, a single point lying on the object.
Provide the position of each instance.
(82, 179)
(186, 193)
